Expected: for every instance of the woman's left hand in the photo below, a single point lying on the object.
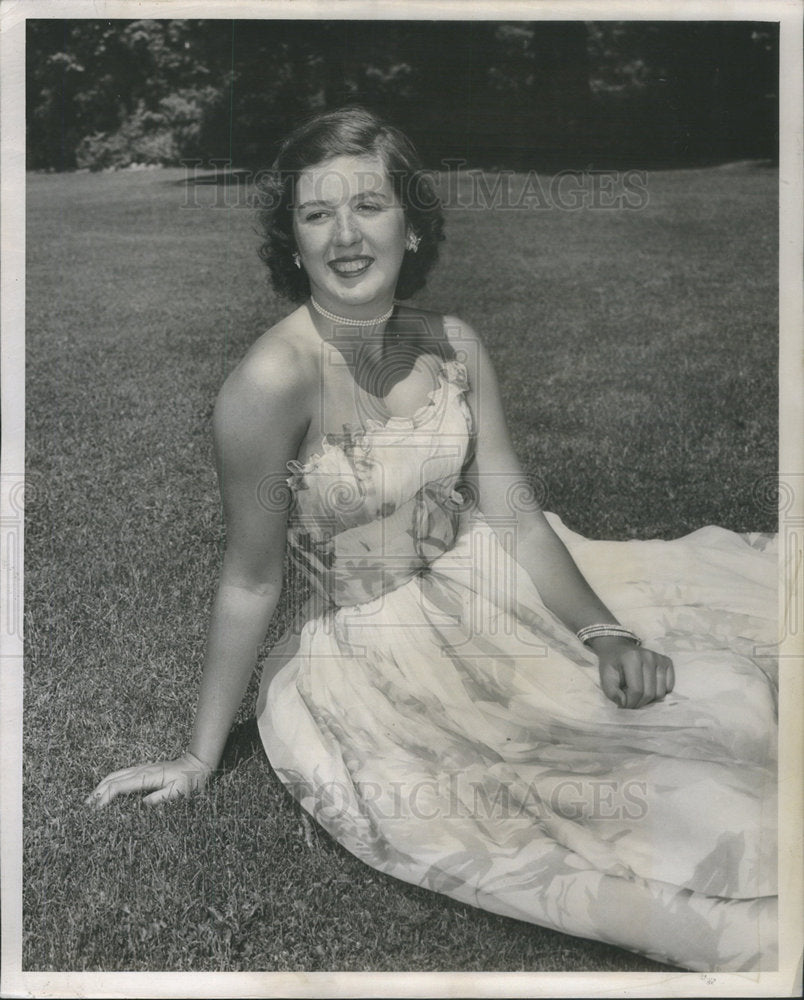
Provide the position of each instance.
(631, 675)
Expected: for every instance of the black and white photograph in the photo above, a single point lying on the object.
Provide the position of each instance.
(402, 499)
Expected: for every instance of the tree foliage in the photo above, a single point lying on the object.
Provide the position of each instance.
(111, 93)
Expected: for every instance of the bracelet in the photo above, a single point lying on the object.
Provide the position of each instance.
(598, 631)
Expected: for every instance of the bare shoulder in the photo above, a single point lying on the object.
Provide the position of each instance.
(272, 384)
(280, 362)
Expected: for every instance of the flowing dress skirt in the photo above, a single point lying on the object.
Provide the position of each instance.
(452, 733)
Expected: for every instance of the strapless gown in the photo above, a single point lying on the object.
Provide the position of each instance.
(433, 715)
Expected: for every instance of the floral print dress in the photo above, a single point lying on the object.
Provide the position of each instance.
(434, 716)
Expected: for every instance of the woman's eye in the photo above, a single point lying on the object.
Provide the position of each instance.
(314, 216)
(368, 206)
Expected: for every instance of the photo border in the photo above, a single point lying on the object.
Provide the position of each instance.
(14, 982)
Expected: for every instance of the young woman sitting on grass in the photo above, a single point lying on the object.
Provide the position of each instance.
(456, 705)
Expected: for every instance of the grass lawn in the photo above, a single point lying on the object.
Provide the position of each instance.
(637, 354)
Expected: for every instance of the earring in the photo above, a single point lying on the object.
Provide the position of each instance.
(296, 258)
(412, 242)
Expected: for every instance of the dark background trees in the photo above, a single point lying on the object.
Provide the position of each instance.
(516, 94)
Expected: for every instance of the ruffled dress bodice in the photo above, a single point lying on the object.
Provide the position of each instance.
(378, 504)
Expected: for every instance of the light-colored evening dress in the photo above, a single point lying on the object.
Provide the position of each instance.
(434, 716)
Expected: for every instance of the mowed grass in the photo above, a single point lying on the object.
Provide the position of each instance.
(637, 355)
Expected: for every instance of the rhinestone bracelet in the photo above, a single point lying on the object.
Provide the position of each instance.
(598, 631)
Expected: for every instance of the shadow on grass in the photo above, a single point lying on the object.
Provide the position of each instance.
(243, 743)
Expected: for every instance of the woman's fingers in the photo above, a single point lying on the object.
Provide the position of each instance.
(164, 780)
(171, 790)
(611, 681)
(649, 677)
(634, 678)
(666, 677)
(116, 776)
(130, 779)
(661, 677)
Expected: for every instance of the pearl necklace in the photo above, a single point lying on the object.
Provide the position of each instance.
(348, 321)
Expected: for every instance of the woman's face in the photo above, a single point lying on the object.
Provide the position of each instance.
(350, 233)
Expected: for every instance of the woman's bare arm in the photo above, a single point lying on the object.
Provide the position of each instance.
(258, 427)
(630, 675)
(259, 423)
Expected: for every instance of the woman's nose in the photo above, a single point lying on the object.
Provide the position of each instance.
(346, 229)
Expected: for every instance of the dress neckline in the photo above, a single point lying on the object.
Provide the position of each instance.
(449, 373)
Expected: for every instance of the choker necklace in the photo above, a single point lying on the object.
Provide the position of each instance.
(346, 320)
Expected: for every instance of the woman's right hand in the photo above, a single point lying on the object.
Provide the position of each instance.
(164, 780)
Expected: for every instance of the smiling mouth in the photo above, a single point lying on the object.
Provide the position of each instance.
(348, 267)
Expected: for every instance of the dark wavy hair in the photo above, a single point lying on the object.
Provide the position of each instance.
(348, 131)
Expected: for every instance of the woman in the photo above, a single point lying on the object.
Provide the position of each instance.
(457, 706)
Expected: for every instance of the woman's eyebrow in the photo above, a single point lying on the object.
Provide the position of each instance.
(308, 204)
(371, 193)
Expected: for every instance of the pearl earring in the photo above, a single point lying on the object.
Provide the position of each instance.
(412, 242)
(296, 258)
